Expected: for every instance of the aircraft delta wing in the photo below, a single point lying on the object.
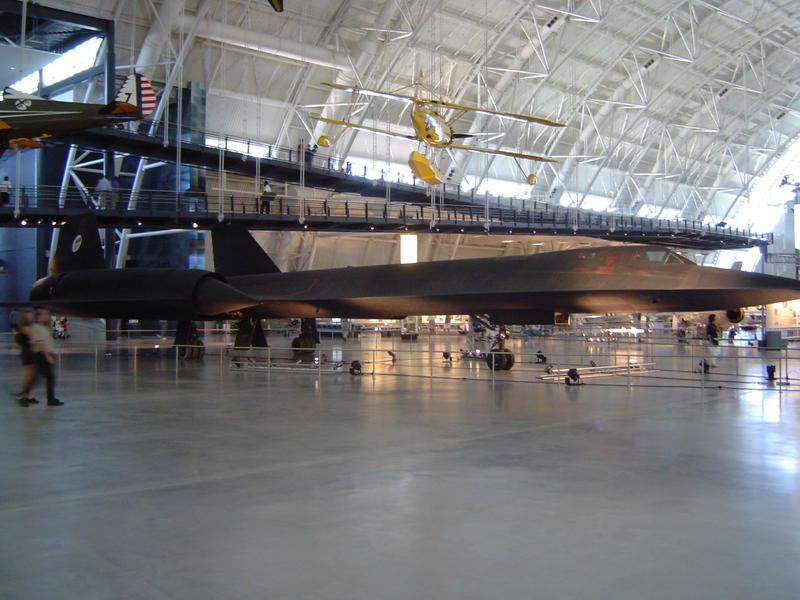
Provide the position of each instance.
(517, 289)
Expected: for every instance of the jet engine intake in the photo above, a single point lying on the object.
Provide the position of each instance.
(735, 315)
(182, 294)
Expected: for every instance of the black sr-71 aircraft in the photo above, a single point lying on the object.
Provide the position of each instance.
(509, 290)
(26, 119)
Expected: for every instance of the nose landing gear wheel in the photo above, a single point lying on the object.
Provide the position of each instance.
(502, 360)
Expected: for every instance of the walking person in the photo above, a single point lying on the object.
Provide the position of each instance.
(103, 190)
(42, 342)
(28, 357)
(712, 337)
(712, 331)
(5, 191)
(267, 196)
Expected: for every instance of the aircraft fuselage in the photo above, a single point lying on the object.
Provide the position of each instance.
(516, 289)
(430, 127)
(24, 119)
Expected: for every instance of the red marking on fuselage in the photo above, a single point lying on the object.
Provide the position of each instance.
(310, 287)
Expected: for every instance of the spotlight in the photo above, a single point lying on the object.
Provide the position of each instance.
(194, 225)
(24, 222)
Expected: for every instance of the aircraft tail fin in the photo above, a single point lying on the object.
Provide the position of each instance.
(137, 91)
(237, 253)
(78, 245)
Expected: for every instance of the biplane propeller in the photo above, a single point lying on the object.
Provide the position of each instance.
(432, 129)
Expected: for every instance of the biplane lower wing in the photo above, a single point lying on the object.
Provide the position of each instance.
(496, 113)
(364, 127)
(501, 152)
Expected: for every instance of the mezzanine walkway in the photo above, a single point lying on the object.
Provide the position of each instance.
(45, 206)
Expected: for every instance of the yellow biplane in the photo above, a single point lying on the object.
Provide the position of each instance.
(432, 129)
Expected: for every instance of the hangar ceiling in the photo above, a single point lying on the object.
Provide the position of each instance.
(673, 107)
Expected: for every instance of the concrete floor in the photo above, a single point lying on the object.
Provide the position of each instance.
(202, 482)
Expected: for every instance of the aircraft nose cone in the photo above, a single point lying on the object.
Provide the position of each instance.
(215, 297)
(750, 289)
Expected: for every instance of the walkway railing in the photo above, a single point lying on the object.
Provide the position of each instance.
(325, 170)
(46, 205)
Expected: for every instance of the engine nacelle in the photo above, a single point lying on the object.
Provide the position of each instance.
(183, 294)
(735, 315)
(528, 317)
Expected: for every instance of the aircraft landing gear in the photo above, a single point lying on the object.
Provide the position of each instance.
(303, 345)
(250, 334)
(499, 358)
(187, 341)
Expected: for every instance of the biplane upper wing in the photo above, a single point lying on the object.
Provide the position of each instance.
(364, 127)
(444, 104)
(497, 113)
(502, 152)
(368, 92)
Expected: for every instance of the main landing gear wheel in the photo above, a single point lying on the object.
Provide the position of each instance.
(191, 352)
(187, 341)
(501, 360)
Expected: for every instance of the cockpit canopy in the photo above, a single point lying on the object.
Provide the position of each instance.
(634, 255)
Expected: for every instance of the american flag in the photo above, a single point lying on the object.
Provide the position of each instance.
(148, 97)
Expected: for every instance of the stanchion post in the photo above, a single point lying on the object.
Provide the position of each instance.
(702, 370)
(629, 370)
(786, 364)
